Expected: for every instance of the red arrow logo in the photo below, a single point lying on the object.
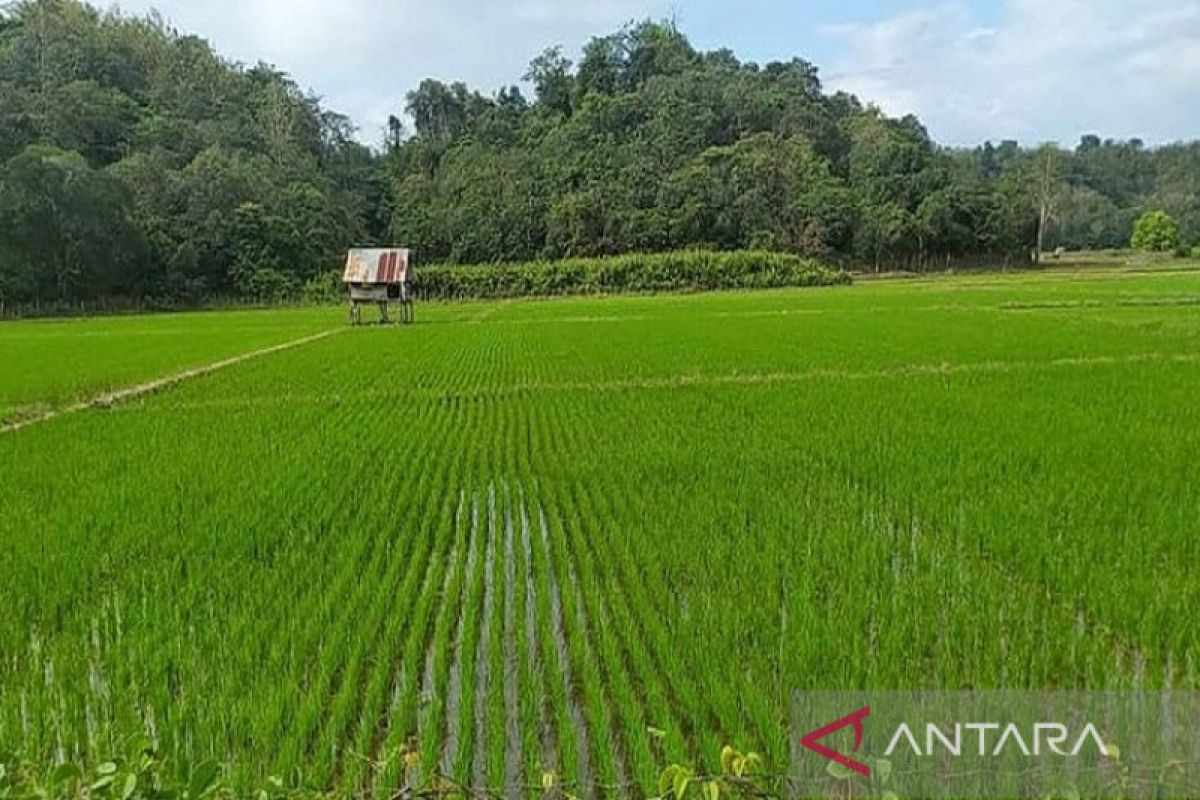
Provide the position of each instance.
(811, 740)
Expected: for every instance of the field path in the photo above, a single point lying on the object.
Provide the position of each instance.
(116, 396)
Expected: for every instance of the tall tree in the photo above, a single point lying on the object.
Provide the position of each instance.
(66, 229)
(1046, 184)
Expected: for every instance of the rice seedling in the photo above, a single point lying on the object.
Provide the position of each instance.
(586, 537)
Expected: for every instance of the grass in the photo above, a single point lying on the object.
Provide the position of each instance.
(52, 363)
(595, 516)
(1115, 259)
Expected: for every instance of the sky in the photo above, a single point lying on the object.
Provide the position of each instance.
(971, 70)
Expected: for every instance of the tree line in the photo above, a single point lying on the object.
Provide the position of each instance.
(136, 162)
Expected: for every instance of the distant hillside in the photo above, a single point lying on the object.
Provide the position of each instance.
(138, 163)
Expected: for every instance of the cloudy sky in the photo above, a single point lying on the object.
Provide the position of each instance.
(1033, 70)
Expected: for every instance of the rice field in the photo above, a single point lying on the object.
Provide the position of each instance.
(50, 363)
(531, 535)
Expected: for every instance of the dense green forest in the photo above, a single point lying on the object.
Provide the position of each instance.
(137, 163)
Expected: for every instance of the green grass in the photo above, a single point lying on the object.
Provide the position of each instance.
(1126, 258)
(708, 501)
(51, 363)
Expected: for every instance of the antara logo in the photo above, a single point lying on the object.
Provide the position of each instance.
(1047, 737)
(812, 740)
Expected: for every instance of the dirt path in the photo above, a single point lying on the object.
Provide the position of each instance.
(116, 396)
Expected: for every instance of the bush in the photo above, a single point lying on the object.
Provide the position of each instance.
(1155, 231)
(324, 287)
(265, 285)
(689, 270)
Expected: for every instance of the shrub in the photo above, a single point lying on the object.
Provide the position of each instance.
(1155, 231)
(265, 285)
(689, 270)
(324, 287)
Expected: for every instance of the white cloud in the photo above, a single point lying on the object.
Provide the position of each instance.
(1042, 69)
(1047, 69)
(362, 56)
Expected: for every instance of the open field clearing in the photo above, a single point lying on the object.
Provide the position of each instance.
(522, 533)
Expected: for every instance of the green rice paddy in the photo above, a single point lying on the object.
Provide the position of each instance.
(521, 534)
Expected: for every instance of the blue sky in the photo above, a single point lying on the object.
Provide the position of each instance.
(1032, 70)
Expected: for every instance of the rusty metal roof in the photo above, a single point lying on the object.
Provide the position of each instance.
(376, 265)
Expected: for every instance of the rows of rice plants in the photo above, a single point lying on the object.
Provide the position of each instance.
(49, 363)
(590, 537)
